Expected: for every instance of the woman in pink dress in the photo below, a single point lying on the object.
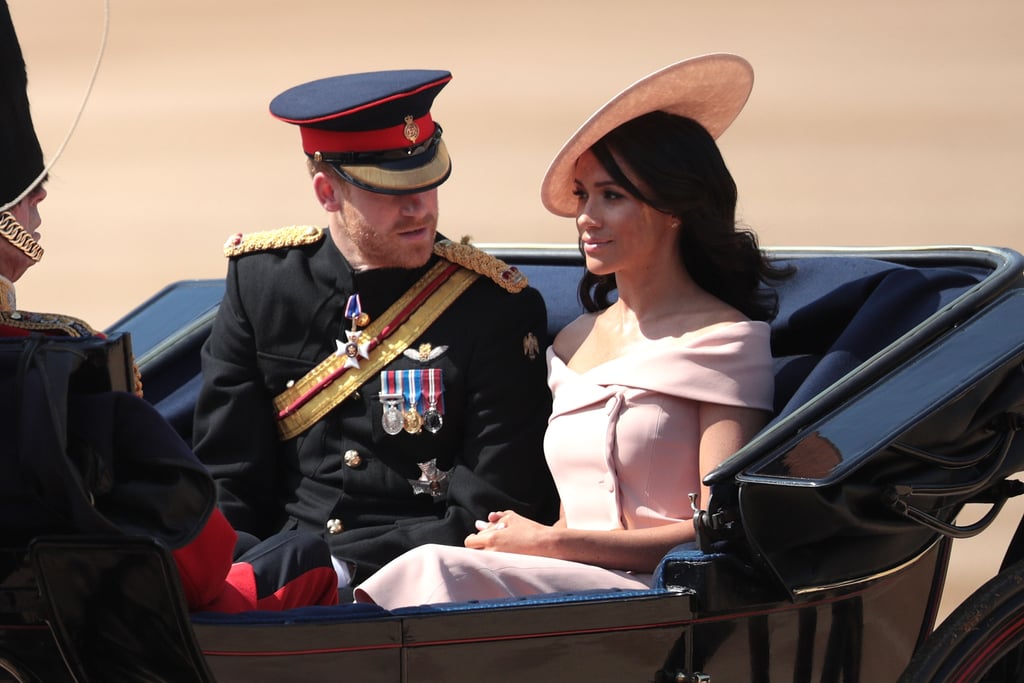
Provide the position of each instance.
(653, 389)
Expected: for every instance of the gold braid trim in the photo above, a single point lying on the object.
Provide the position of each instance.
(468, 256)
(50, 323)
(7, 300)
(60, 325)
(12, 231)
(292, 236)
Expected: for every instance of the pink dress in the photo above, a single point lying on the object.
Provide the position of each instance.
(622, 446)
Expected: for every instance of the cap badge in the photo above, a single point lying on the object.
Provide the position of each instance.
(411, 131)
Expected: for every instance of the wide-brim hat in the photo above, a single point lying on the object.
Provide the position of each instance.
(374, 128)
(710, 89)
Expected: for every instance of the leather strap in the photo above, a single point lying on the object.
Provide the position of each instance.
(304, 403)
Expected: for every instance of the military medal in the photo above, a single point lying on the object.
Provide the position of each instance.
(432, 415)
(412, 421)
(432, 480)
(354, 347)
(391, 420)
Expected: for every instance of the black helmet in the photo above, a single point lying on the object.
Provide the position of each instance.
(21, 158)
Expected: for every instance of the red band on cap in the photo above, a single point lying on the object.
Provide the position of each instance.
(328, 141)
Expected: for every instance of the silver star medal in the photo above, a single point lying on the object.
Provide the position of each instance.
(353, 349)
(432, 479)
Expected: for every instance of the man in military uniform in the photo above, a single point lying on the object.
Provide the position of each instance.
(373, 380)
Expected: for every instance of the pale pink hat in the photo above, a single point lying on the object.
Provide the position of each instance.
(710, 89)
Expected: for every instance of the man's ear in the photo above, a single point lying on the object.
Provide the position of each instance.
(327, 192)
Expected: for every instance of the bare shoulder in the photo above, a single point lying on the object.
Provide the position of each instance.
(713, 319)
(572, 336)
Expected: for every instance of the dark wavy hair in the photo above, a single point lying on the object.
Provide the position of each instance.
(678, 160)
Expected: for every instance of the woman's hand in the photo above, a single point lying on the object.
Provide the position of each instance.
(510, 532)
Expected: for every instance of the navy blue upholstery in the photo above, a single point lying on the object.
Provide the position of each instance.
(838, 312)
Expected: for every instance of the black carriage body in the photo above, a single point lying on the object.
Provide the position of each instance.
(821, 557)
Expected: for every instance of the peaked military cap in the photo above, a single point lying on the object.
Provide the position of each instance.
(375, 128)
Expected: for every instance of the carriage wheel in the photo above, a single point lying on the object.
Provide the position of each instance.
(982, 641)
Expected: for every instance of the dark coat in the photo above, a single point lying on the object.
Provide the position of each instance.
(282, 313)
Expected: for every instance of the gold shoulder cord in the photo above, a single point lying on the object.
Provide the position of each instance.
(63, 325)
(468, 256)
(292, 236)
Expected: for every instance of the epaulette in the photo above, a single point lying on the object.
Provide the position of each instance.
(292, 236)
(47, 323)
(468, 256)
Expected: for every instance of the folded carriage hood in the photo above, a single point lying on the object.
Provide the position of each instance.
(863, 476)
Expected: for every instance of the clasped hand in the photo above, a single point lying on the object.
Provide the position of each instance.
(510, 532)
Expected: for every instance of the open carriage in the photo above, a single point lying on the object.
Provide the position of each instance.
(821, 556)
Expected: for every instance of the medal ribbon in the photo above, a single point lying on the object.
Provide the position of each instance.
(412, 389)
(375, 341)
(435, 391)
(387, 383)
(313, 396)
(353, 309)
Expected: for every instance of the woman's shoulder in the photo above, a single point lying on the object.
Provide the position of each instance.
(571, 337)
(726, 332)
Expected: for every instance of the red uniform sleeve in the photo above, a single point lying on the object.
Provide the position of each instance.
(203, 564)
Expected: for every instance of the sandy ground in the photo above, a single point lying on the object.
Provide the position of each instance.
(871, 123)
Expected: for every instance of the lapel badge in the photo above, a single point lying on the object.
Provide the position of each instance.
(425, 353)
(531, 347)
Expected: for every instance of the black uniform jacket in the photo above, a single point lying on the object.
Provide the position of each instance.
(282, 313)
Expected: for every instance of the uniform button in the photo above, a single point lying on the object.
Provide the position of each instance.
(334, 526)
(353, 459)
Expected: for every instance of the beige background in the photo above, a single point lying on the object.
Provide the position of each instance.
(871, 123)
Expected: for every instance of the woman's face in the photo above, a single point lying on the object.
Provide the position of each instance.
(618, 232)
